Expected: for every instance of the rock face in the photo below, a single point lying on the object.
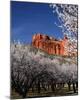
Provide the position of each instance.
(50, 44)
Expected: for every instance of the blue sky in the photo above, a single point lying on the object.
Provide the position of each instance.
(29, 18)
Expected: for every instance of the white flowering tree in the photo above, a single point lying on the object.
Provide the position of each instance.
(32, 69)
(67, 15)
(25, 69)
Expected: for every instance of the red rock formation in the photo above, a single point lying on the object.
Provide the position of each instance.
(49, 44)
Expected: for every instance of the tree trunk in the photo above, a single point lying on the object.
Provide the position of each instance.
(33, 88)
(48, 86)
(53, 87)
(74, 89)
(69, 86)
(43, 86)
(76, 84)
(63, 85)
(38, 86)
(24, 95)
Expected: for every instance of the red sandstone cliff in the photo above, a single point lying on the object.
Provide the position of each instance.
(50, 44)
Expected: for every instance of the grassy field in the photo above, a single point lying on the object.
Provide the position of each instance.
(49, 93)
